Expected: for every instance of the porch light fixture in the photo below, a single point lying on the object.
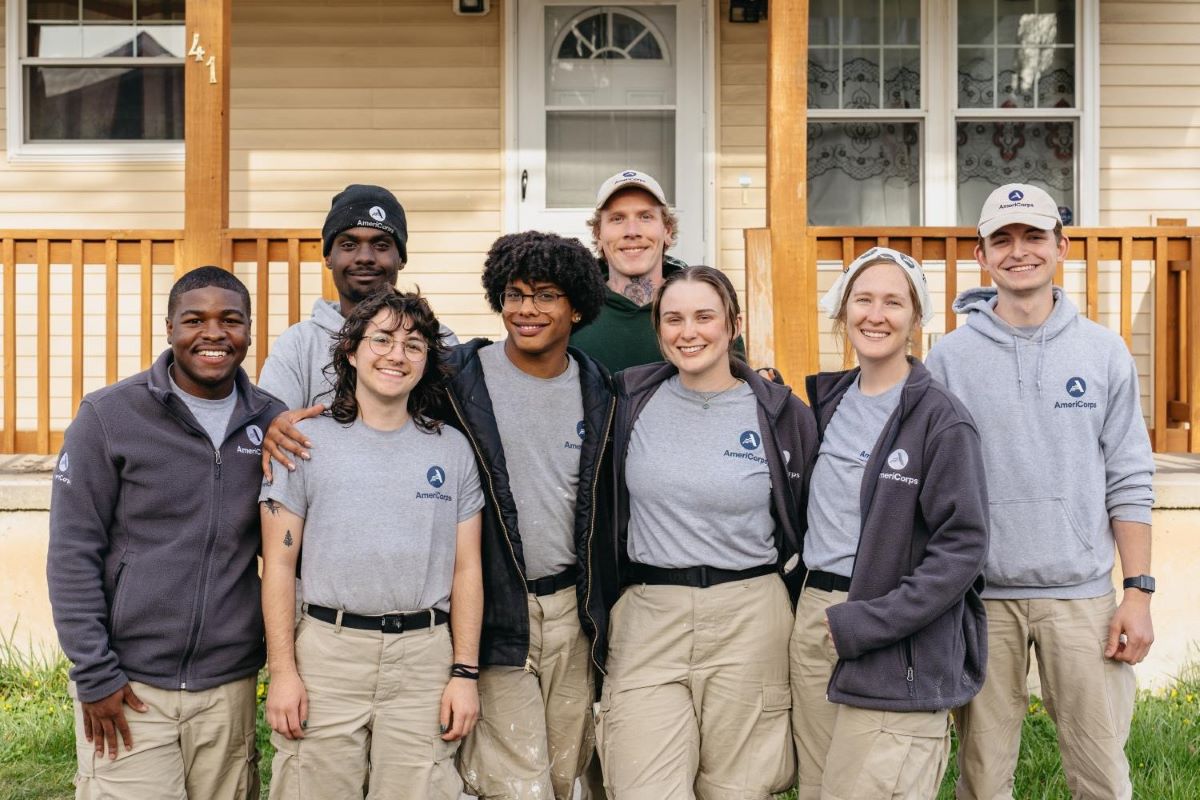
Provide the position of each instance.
(747, 10)
(471, 8)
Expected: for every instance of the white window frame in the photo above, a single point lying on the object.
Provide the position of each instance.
(69, 152)
(939, 113)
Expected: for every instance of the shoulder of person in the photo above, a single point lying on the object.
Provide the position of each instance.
(116, 397)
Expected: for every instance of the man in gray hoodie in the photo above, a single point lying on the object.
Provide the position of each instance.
(1069, 467)
(365, 243)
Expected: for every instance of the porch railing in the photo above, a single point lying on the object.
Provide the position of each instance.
(1141, 282)
(84, 308)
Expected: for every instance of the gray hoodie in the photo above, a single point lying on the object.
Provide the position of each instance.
(1064, 443)
(294, 372)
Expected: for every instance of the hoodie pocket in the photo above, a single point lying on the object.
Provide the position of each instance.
(1037, 542)
(118, 596)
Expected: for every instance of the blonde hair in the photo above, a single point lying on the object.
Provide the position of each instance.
(670, 221)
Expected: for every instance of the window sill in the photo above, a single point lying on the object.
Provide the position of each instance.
(97, 153)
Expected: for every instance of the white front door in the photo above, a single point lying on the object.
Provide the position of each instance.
(602, 88)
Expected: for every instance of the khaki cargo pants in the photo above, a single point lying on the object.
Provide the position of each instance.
(374, 701)
(535, 734)
(850, 753)
(187, 745)
(696, 700)
(1089, 697)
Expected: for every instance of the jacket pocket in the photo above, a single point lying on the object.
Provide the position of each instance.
(1037, 542)
(881, 674)
(120, 584)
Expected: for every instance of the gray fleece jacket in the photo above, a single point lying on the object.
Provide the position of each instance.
(295, 370)
(154, 537)
(1064, 443)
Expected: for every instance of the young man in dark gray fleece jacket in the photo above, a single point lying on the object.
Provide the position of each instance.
(152, 567)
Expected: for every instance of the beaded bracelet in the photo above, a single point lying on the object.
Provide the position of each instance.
(468, 671)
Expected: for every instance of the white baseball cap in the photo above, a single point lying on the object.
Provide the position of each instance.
(832, 300)
(1018, 203)
(625, 179)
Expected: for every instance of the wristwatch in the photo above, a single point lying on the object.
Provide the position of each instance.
(1143, 582)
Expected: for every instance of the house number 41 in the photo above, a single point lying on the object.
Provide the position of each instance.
(198, 52)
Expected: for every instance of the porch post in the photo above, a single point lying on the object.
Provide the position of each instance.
(206, 134)
(793, 281)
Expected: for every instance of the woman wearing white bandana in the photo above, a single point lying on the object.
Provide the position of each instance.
(890, 632)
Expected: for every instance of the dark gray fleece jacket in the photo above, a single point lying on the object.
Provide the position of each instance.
(912, 635)
(154, 537)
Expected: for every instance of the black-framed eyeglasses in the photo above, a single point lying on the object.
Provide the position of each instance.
(543, 299)
(383, 344)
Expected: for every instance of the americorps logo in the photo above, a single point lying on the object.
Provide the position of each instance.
(436, 476)
(898, 459)
(254, 434)
(1015, 195)
(61, 475)
(750, 441)
(628, 174)
(376, 213)
(1076, 388)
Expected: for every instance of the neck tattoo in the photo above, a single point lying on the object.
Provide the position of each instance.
(639, 290)
(707, 397)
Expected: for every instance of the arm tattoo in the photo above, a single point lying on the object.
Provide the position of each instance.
(639, 290)
(272, 506)
(287, 539)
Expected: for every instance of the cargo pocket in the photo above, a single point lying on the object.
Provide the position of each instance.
(444, 781)
(285, 767)
(773, 761)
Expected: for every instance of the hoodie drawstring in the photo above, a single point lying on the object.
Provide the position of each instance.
(1041, 361)
(1020, 377)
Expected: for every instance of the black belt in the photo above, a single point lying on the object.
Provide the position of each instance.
(696, 577)
(553, 583)
(827, 581)
(388, 623)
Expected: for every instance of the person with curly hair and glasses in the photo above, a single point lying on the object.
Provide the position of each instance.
(373, 688)
(538, 414)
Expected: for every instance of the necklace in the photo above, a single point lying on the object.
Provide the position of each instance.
(708, 397)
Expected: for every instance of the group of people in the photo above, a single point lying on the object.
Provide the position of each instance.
(605, 548)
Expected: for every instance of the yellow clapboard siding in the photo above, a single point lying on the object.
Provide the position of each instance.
(305, 118)
(1141, 54)
(368, 139)
(1171, 138)
(1160, 179)
(401, 180)
(1159, 77)
(1163, 116)
(1142, 12)
(327, 99)
(356, 56)
(1151, 34)
(415, 203)
(351, 77)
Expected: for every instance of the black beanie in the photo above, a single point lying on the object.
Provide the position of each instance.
(363, 206)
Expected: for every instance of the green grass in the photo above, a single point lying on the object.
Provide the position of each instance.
(37, 744)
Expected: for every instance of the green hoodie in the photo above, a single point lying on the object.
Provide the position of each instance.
(623, 335)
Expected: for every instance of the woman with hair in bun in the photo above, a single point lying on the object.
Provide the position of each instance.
(710, 461)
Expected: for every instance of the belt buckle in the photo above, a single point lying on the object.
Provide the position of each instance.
(392, 623)
(704, 584)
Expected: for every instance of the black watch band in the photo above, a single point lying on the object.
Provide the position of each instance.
(1143, 582)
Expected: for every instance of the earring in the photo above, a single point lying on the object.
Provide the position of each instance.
(576, 318)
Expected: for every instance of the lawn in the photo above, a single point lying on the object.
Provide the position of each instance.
(37, 749)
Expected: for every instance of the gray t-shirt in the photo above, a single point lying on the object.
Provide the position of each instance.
(541, 430)
(699, 486)
(381, 510)
(213, 415)
(834, 513)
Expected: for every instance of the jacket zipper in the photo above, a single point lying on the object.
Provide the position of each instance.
(587, 595)
(194, 634)
(908, 660)
(491, 488)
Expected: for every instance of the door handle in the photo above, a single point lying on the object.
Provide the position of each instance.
(524, 183)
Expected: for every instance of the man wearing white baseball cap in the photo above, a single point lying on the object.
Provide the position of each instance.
(1056, 400)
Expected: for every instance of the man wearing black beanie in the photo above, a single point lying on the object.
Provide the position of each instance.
(365, 244)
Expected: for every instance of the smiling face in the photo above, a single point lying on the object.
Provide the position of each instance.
(694, 333)
(209, 334)
(362, 261)
(388, 377)
(1021, 259)
(537, 333)
(632, 234)
(879, 313)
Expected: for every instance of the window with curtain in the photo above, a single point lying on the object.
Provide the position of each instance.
(1009, 107)
(102, 70)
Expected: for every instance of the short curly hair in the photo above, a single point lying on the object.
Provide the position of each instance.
(408, 309)
(534, 256)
